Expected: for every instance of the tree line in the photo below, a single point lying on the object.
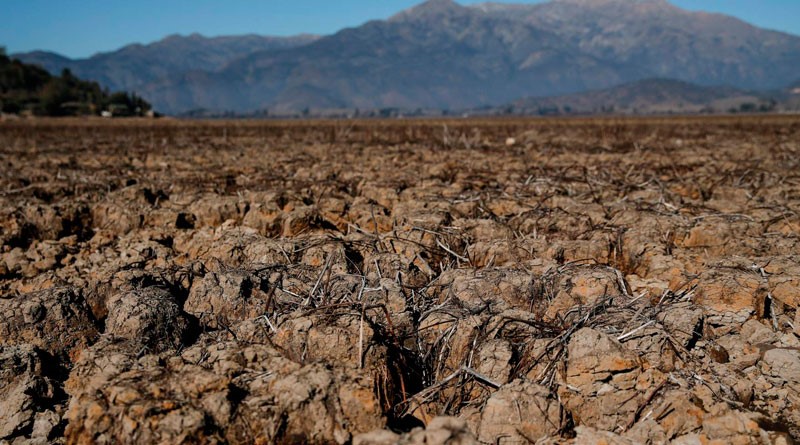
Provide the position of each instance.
(29, 89)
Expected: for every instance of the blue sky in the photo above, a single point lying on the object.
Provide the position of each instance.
(79, 28)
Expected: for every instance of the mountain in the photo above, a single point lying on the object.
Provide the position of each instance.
(440, 54)
(133, 67)
(650, 96)
(666, 41)
(437, 55)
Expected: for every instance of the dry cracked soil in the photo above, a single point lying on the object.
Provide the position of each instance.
(579, 281)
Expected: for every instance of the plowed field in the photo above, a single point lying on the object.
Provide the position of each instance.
(380, 282)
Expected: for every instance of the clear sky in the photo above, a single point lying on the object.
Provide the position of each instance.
(79, 28)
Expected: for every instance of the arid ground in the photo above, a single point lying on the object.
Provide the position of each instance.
(380, 282)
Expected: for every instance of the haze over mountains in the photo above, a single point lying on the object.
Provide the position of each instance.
(442, 55)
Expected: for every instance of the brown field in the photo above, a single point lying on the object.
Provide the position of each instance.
(417, 281)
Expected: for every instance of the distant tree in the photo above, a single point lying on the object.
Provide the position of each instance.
(549, 110)
(767, 107)
(130, 104)
(388, 112)
(55, 93)
(747, 107)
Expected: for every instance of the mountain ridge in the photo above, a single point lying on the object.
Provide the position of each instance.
(440, 54)
(154, 61)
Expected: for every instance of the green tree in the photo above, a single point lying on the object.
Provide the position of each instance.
(55, 93)
(747, 107)
(24, 86)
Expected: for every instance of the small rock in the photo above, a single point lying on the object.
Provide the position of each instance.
(744, 392)
(44, 423)
(754, 332)
(784, 363)
(518, 412)
(440, 431)
(220, 300)
(495, 360)
(718, 353)
(377, 437)
(582, 286)
(735, 427)
(150, 317)
(23, 387)
(789, 340)
(678, 413)
(57, 320)
(601, 380)
(443, 431)
(684, 324)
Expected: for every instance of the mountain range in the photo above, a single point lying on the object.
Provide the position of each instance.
(442, 55)
(136, 66)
